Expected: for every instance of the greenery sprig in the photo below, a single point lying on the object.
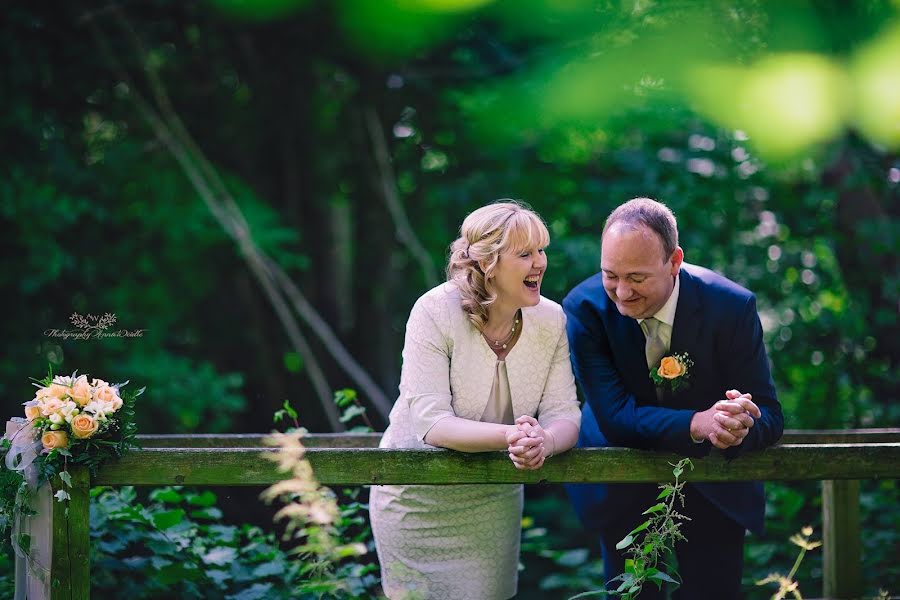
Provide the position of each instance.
(652, 541)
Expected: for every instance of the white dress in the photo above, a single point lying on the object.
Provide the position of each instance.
(462, 542)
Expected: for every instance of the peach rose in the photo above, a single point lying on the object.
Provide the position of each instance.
(32, 412)
(108, 395)
(81, 391)
(670, 368)
(84, 426)
(55, 439)
(54, 390)
(59, 391)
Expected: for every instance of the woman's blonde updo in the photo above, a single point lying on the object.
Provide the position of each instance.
(504, 227)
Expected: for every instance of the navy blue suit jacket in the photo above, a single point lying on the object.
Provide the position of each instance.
(717, 325)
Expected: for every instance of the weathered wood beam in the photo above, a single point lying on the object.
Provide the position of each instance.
(370, 440)
(358, 466)
(255, 440)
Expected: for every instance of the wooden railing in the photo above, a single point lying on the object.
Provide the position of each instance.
(837, 458)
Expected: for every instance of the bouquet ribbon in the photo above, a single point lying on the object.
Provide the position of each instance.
(33, 565)
(25, 447)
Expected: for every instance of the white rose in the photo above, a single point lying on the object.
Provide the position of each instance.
(99, 409)
(63, 380)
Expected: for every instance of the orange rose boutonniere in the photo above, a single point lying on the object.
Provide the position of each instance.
(673, 372)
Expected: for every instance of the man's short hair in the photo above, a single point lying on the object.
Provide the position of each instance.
(648, 213)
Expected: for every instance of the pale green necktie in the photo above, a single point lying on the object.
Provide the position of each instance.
(656, 347)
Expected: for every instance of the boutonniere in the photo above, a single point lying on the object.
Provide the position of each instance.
(673, 372)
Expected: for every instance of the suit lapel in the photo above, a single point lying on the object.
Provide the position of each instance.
(632, 356)
(688, 322)
(687, 315)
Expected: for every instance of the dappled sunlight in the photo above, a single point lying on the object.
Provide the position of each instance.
(572, 63)
(793, 101)
(785, 103)
(876, 79)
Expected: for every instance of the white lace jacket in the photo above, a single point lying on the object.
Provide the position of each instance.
(448, 368)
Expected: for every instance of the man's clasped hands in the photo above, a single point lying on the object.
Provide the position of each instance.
(725, 424)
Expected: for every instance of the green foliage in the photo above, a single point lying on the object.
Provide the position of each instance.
(651, 542)
(189, 394)
(7, 572)
(800, 502)
(192, 397)
(360, 576)
(787, 583)
(351, 408)
(173, 546)
(286, 411)
(566, 568)
(10, 484)
(324, 536)
(562, 569)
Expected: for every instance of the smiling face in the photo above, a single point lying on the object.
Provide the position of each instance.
(637, 274)
(498, 263)
(517, 277)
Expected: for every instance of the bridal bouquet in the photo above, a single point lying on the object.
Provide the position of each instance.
(71, 420)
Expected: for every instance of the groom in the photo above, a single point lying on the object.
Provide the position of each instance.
(645, 305)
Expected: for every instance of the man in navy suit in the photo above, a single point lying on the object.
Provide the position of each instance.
(644, 305)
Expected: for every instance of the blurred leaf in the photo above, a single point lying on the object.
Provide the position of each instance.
(167, 519)
(293, 362)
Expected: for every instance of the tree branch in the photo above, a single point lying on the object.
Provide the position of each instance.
(405, 234)
(229, 216)
(331, 341)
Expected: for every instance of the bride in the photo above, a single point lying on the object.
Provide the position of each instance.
(485, 368)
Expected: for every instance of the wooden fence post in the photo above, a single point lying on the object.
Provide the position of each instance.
(841, 547)
(70, 541)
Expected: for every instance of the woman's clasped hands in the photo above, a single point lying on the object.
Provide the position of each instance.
(529, 443)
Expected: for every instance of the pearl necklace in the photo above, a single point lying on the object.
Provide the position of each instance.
(502, 344)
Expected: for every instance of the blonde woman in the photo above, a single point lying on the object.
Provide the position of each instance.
(485, 368)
